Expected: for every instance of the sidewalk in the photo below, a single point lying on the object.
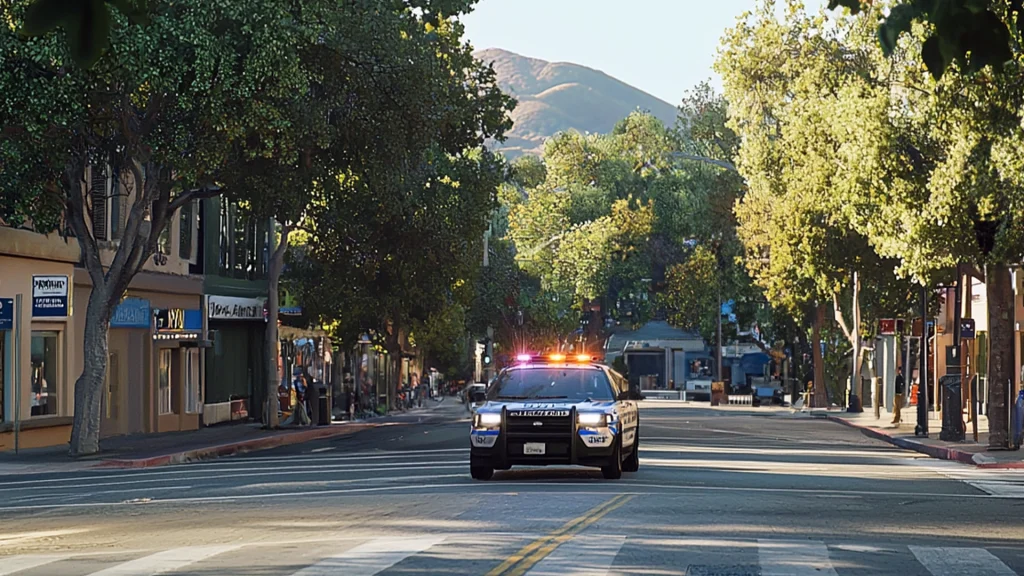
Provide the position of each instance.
(902, 435)
(148, 450)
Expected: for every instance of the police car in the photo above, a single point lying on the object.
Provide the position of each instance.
(554, 410)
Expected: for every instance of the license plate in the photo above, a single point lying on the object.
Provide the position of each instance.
(534, 448)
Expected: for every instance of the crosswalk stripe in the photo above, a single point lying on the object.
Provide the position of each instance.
(370, 558)
(956, 561)
(164, 561)
(792, 558)
(582, 556)
(12, 564)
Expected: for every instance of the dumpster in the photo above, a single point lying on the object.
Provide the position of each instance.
(953, 428)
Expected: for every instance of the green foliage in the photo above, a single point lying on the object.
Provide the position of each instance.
(975, 34)
(691, 293)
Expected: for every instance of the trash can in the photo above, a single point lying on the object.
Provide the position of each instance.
(325, 407)
(953, 429)
(718, 393)
(855, 404)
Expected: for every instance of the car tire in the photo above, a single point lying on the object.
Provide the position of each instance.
(481, 472)
(632, 463)
(613, 470)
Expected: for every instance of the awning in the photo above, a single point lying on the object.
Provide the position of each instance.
(754, 363)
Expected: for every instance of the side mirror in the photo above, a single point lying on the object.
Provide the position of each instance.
(478, 396)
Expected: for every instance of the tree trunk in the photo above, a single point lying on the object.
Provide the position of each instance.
(820, 399)
(999, 287)
(272, 346)
(85, 432)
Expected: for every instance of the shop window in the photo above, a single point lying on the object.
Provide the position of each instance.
(45, 370)
(164, 382)
(193, 398)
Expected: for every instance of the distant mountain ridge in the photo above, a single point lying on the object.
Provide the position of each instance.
(559, 96)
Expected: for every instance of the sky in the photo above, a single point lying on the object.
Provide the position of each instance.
(664, 47)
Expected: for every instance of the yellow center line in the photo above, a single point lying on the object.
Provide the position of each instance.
(518, 563)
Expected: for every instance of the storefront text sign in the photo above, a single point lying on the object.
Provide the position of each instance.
(231, 308)
(6, 314)
(50, 296)
(178, 324)
(131, 313)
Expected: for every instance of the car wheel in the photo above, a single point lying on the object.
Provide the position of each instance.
(613, 470)
(481, 472)
(632, 464)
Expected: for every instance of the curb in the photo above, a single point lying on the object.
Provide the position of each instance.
(232, 448)
(939, 452)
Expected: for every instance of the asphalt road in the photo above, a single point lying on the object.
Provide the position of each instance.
(719, 492)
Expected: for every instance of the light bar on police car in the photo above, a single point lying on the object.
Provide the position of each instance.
(591, 419)
(524, 358)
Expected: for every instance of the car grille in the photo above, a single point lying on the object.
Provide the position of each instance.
(553, 428)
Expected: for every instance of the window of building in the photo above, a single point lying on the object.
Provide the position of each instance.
(163, 242)
(193, 398)
(244, 244)
(189, 226)
(164, 382)
(45, 371)
(108, 205)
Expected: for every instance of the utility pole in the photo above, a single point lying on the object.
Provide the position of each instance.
(922, 386)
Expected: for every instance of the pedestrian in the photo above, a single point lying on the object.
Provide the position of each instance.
(897, 404)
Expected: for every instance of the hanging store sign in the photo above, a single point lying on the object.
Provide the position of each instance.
(178, 324)
(6, 313)
(232, 308)
(131, 313)
(50, 296)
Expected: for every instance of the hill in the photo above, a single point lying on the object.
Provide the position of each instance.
(559, 96)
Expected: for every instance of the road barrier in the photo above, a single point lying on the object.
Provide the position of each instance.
(664, 394)
(745, 400)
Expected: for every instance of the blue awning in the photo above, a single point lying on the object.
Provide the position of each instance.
(754, 363)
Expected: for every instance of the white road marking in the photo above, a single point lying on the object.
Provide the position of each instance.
(794, 558)
(12, 564)
(959, 561)
(995, 482)
(319, 450)
(370, 558)
(581, 556)
(259, 473)
(165, 561)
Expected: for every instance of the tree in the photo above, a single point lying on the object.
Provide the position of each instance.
(948, 181)
(975, 34)
(793, 86)
(691, 294)
(153, 112)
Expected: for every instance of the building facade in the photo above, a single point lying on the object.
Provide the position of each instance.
(235, 254)
(38, 348)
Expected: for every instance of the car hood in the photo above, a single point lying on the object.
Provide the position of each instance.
(496, 406)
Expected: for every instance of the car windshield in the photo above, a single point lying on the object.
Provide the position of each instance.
(551, 383)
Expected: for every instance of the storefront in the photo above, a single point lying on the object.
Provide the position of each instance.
(37, 351)
(177, 369)
(235, 365)
(154, 377)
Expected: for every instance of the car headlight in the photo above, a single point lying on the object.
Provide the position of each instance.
(487, 419)
(591, 419)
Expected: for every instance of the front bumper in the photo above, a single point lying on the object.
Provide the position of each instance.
(572, 446)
